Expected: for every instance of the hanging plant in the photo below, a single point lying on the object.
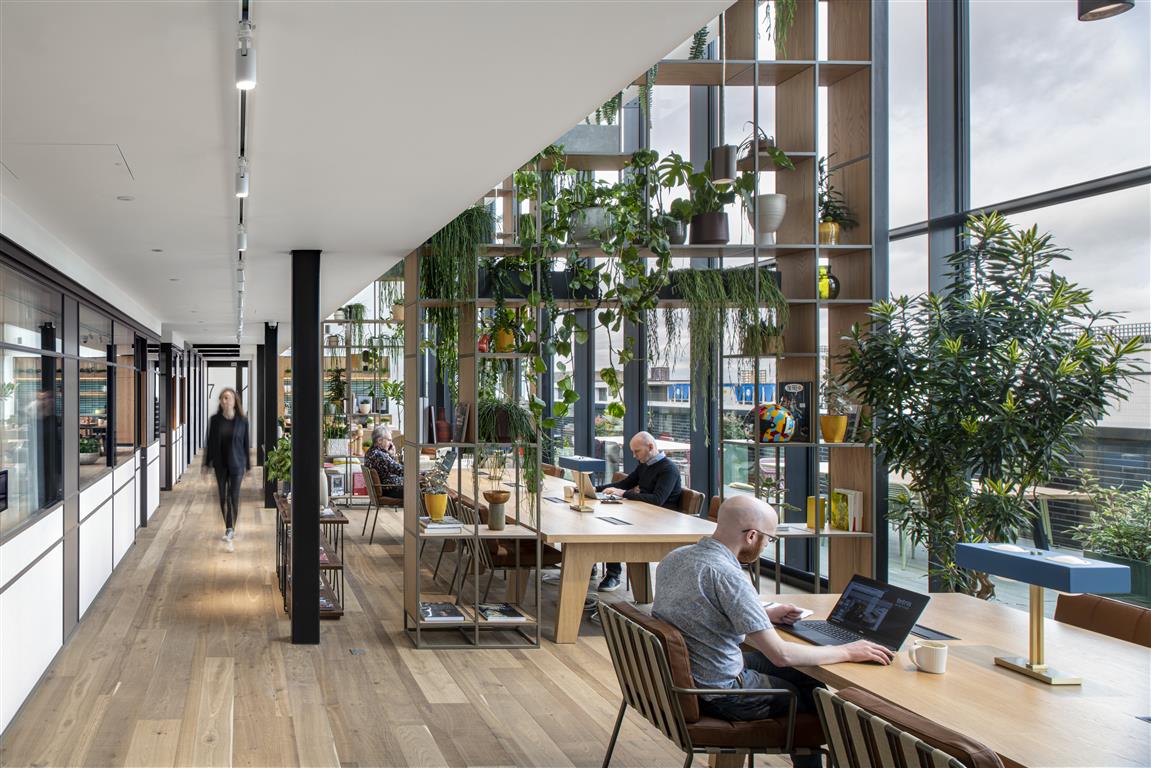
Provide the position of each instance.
(698, 45)
(354, 313)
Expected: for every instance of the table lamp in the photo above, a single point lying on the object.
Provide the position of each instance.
(1042, 568)
(584, 465)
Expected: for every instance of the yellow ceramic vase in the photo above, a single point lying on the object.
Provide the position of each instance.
(503, 340)
(437, 505)
(828, 233)
(833, 428)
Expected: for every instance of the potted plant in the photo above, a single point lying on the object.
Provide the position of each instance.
(398, 311)
(434, 485)
(355, 314)
(337, 390)
(89, 450)
(834, 214)
(675, 221)
(708, 219)
(278, 464)
(591, 223)
(834, 400)
(504, 330)
(335, 439)
(764, 212)
(759, 143)
(978, 396)
(497, 495)
(368, 358)
(1119, 530)
(501, 421)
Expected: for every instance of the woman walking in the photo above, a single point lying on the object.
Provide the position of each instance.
(227, 451)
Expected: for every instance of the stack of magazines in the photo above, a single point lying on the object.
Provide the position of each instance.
(448, 525)
(441, 612)
(501, 612)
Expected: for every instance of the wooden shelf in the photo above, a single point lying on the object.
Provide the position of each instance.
(831, 72)
(738, 72)
(799, 159)
(510, 531)
(587, 161)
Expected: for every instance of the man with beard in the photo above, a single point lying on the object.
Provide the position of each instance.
(703, 592)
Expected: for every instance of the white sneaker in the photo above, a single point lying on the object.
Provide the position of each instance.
(229, 534)
(229, 546)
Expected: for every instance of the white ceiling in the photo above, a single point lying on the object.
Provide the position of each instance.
(374, 123)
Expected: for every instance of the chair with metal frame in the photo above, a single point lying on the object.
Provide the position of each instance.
(377, 499)
(654, 673)
(499, 554)
(860, 732)
(552, 470)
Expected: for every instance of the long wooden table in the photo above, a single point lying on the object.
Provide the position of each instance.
(585, 539)
(1027, 722)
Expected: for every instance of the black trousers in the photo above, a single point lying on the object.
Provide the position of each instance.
(228, 483)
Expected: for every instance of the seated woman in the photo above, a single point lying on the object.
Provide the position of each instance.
(382, 458)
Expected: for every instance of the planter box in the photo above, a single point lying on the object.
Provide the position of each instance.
(514, 289)
(337, 446)
(591, 140)
(1140, 574)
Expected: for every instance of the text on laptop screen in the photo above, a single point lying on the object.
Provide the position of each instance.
(875, 610)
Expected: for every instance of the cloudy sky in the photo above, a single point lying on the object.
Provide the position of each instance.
(1054, 101)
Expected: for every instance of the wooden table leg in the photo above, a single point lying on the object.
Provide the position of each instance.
(517, 584)
(574, 569)
(640, 575)
(726, 760)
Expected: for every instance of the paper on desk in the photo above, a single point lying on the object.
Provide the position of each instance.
(803, 612)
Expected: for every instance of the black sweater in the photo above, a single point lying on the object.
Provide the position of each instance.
(238, 459)
(657, 484)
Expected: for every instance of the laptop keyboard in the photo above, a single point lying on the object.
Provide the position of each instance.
(824, 628)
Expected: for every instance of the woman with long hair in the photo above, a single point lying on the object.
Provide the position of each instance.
(227, 450)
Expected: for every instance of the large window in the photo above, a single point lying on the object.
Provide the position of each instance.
(125, 408)
(31, 407)
(908, 103)
(1063, 102)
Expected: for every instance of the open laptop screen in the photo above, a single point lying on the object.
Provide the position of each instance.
(878, 611)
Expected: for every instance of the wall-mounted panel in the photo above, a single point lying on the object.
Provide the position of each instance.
(19, 551)
(125, 517)
(153, 487)
(95, 495)
(31, 630)
(122, 474)
(95, 555)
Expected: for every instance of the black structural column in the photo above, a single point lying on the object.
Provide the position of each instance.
(306, 374)
(269, 386)
(167, 409)
(257, 403)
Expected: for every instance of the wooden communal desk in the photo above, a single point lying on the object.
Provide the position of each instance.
(1028, 722)
(586, 539)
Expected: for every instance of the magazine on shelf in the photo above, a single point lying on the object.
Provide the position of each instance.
(501, 612)
(448, 524)
(460, 424)
(441, 612)
(847, 510)
(795, 396)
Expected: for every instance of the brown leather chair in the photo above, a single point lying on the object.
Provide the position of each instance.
(654, 673)
(713, 508)
(856, 722)
(618, 476)
(552, 470)
(1107, 617)
(691, 502)
(377, 499)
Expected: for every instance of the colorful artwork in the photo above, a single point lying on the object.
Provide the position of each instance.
(777, 422)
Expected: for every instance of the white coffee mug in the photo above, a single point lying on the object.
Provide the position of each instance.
(569, 491)
(929, 656)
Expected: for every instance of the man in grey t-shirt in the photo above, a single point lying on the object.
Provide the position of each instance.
(703, 591)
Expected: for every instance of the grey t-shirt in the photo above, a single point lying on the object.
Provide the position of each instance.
(702, 591)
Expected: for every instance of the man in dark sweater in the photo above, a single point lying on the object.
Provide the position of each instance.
(655, 480)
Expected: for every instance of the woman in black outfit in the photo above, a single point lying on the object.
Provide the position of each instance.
(227, 451)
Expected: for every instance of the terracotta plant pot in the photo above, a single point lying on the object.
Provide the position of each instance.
(828, 233)
(503, 340)
(437, 505)
(398, 313)
(709, 229)
(833, 428)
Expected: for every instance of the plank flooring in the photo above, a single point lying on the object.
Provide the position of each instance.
(184, 660)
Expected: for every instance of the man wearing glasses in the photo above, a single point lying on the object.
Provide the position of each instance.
(703, 591)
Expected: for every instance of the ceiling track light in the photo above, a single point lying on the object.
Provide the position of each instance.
(241, 238)
(246, 57)
(1093, 10)
(242, 177)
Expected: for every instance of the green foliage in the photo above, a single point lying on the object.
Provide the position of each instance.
(337, 387)
(985, 392)
(645, 92)
(497, 420)
(447, 271)
(89, 445)
(784, 18)
(832, 207)
(1120, 524)
(392, 389)
(7, 389)
(833, 394)
(698, 45)
(608, 112)
(759, 141)
(680, 210)
(278, 463)
(434, 480)
(354, 313)
(334, 431)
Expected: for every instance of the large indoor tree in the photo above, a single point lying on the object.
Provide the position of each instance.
(986, 391)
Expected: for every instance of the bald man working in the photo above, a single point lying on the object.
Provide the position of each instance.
(702, 591)
(654, 480)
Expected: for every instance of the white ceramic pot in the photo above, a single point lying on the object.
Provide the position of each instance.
(365, 408)
(587, 221)
(770, 210)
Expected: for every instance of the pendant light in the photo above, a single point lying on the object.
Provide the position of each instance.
(723, 157)
(1093, 10)
(241, 238)
(242, 177)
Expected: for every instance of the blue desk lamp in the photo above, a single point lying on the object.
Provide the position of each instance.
(1042, 568)
(583, 465)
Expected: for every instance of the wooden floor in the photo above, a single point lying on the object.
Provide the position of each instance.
(183, 660)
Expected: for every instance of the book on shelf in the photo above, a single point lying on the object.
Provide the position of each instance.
(501, 612)
(441, 612)
(795, 396)
(326, 603)
(323, 557)
(460, 423)
(448, 525)
(847, 510)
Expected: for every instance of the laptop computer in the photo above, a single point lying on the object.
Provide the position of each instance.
(867, 610)
(583, 481)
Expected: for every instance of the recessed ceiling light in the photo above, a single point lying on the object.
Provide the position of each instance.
(157, 250)
(125, 198)
(174, 279)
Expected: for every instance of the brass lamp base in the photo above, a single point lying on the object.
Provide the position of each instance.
(1040, 672)
(583, 507)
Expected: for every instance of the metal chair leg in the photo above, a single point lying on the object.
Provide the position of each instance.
(374, 521)
(436, 570)
(491, 575)
(687, 761)
(615, 735)
(368, 512)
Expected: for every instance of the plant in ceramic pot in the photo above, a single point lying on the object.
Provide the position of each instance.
(986, 391)
(89, 450)
(497, 494)
(834, 400)
(434, 486)
(1119, 530)
(708, 198)
(834, 215)
(675, 221)
(278, 464)
(764, 212)
(501, 421)
(591, 223)
(505, 330)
